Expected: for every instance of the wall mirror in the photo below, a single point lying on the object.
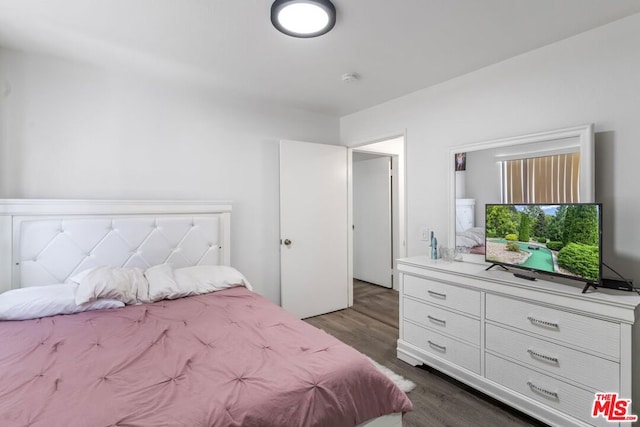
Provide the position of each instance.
(547, 167)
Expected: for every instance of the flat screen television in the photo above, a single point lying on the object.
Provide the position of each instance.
(561, 239)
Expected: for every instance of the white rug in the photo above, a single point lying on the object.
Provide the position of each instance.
(402, 383)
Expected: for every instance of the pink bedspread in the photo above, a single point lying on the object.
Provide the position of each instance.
(230, 358)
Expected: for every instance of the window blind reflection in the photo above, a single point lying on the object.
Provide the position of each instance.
(546, 179)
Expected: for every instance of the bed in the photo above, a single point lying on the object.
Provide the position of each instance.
(223, 358)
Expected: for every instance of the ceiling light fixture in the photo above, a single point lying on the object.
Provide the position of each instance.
(303, 18)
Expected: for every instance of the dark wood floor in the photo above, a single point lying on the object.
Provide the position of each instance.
(371, 326)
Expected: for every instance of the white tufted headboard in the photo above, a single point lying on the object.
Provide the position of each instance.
(46, 241)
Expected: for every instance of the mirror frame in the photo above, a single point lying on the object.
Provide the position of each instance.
(585, 145)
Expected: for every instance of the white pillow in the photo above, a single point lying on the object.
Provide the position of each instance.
(470, 237)
(162, 284)
(165, 283)
(465, 241)
(123, 284)
(208, 278)
(42, 301)
(478, 232)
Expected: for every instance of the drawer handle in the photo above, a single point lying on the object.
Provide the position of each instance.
(437, 346)
(437, 294)
(541, 390)
(436, 320)
(543, 356)
(543, 322)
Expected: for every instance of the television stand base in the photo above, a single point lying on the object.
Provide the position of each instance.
(496, 265)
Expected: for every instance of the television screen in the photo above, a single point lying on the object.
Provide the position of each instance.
(558, 239)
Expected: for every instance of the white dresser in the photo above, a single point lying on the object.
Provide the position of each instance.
(542, 347)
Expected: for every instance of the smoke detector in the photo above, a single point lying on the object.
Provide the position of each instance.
(350, 77)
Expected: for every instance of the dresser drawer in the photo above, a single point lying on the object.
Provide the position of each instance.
(552, 392)
(592, 334)
(463, 355)
(444, 321)
(462, 299)
(592, 371)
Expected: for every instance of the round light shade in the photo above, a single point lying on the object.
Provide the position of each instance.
(303, 18)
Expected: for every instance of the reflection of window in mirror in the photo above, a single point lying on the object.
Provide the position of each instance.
(546, 179)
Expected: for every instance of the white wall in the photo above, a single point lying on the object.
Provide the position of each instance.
(69, 130)
(592, 77)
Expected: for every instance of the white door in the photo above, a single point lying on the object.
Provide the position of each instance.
(372, 240)
(313, 228)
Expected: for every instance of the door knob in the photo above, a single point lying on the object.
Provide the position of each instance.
(287, 242)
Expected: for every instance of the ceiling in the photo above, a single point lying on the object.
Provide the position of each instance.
(229, 46)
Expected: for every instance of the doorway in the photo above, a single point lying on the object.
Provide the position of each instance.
(372, 219)
(390, 151)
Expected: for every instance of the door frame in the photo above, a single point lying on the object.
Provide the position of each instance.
(401, 218)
